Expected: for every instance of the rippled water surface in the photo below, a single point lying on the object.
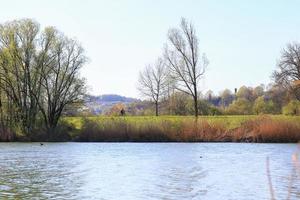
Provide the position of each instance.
(144, 170)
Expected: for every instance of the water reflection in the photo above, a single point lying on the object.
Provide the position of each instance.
(144, 171)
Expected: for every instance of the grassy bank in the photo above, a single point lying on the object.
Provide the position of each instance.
(274, 128)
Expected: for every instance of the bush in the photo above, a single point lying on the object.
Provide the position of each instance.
(62, 133)
(292, 108)
(215, 111)
(263, 107)
(7, 135)
(240, 107)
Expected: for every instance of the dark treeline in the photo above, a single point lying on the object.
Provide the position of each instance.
(39, 77)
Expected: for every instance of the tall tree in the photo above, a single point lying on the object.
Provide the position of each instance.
(18, 40)
(288, 69)
(183, 60)
(60, 78)
(39, 73)
(226, 97)
(153, 82)
(246, 93)
(258, 91)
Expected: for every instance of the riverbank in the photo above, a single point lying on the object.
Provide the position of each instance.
(267, 128)
(244, 128)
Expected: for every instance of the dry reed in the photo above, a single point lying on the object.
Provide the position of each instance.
(259, 129)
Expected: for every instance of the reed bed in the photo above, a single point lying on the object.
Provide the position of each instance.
(188, 129)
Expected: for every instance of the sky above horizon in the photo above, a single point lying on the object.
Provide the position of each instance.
(242, 40)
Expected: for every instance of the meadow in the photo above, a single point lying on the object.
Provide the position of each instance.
(237, 128)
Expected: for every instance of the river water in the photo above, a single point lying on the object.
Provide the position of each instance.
(145, 171)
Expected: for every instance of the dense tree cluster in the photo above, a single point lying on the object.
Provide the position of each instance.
(39, 76)
(273, 99)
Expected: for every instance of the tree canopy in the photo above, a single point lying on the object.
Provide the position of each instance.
(39, 75)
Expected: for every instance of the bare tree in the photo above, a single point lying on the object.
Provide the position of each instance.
(60, 80)
(182, 58)
(153, 82)
(288, 73)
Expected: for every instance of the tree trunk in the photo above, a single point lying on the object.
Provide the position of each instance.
(196, 106)
(156, 108)
(196, 100)
(50, 132)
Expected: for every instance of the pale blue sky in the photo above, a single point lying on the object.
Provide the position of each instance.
(242, 39)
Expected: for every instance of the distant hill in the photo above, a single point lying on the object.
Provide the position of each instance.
(101, 104)
(111, 98)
